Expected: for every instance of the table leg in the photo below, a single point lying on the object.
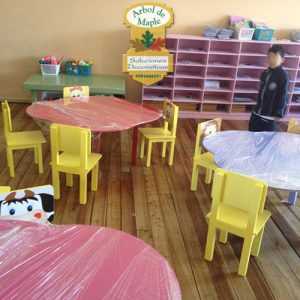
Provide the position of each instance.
(292, 198)
(96, 142)
(34, 96)
(134, 145)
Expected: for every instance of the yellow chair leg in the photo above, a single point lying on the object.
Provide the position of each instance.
(149, 151)
(208, 176)
(95, 172)
(10, 162)
(244, 262)
(56, 183)
(164, 150)
(194, 181)
(36, 155)
(83, 189)
(69, 180)
(142, 150)
(210, 243)
(257, 243)
(223, 237)
(40, 159)
(171, 154)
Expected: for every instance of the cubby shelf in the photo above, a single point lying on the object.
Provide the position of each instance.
(220, 78)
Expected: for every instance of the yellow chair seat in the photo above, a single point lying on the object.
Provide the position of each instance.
(26, 138)
(68, 160)
(206, 160)
(152, 133)
(237, 219)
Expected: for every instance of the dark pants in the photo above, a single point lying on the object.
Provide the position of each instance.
(258, 123)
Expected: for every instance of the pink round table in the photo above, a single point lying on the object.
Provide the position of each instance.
(99, 113)
(80, 262)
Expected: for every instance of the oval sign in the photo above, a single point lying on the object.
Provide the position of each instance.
(148, 16)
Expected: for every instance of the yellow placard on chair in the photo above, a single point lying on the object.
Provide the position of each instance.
(148, 60)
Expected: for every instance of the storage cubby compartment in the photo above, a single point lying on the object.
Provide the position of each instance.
(156, 95)
(171, 44)
(244, 98)
(294, 110)
(222, 60)
(253, 61)
(188, 84)
(191, 59)
(218, 85)
(291, 50)
(297, 89)
(220, 73)
(187, 96)
(292, 74)
(249, 74)
(226, 47)
(220, 97)
(259, 49)
(291, 62)
(210, 107)
(189, 72)
(296, 99)
(247, 86)
(242, 108)
(166, 83)
(193, 46)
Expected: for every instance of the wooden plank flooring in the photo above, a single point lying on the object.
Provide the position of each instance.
(156, 205)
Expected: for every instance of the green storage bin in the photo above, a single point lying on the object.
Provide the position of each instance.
(263, 34)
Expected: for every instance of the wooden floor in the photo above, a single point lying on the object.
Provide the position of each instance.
(156, 205)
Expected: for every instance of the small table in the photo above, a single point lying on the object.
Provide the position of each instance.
(273, 157)
(80, 262)
(98, 84)
(99, 113)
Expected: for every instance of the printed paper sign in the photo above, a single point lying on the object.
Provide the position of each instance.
(148, 60)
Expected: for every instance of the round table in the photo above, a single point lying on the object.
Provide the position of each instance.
(273, 157)
(80, 262)
(99, 113)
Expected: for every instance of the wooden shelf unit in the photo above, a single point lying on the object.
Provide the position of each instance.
(235, 65)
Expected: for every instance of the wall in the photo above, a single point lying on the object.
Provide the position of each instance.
(93, 29)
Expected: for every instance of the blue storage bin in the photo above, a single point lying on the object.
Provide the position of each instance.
(85, 70)
(263, 34)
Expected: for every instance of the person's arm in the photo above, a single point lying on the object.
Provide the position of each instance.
(259, 100)
(282, 97)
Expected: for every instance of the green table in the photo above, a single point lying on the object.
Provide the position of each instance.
(99, 84)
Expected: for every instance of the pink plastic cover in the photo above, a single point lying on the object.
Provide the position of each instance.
(40, 261)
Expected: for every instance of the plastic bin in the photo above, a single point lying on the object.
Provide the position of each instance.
(85, 70)
(244, 34)
(50, 69)
(263, 34)
(71, 69)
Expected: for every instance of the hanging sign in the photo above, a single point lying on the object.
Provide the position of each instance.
(148, 60)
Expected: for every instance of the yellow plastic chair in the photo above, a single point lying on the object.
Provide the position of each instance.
(164, 135)
(20, 141)
(71, 154)
(237, 208)
(4, 189)
(204, 160)
(76, 91)
(294, 126)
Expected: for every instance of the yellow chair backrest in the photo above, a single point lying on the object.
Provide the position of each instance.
(205, 129)
(232, 190)
(76, 91)
(6, 118)
(4, 189)
(294, 126)
(70, 140)
(170, 115)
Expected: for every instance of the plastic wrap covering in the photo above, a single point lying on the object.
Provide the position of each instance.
(99, 113)
(270, 156)
(40, 261)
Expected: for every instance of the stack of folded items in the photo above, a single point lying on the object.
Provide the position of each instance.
(220, 33)
(225, 34)
(211, 32)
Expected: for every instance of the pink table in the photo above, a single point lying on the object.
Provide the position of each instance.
(80, 262)
(99, 113)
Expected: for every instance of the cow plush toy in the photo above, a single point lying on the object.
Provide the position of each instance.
(35, 204)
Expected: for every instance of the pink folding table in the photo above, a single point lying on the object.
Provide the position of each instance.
(99, 113)
(40, 261)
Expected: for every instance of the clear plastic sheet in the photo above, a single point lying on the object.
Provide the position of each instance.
(270, 156)
(99, 113)
(39, 261)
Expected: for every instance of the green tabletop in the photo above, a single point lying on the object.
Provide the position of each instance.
(98, 84)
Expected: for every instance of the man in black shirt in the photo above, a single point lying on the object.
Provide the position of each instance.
(273, 94)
